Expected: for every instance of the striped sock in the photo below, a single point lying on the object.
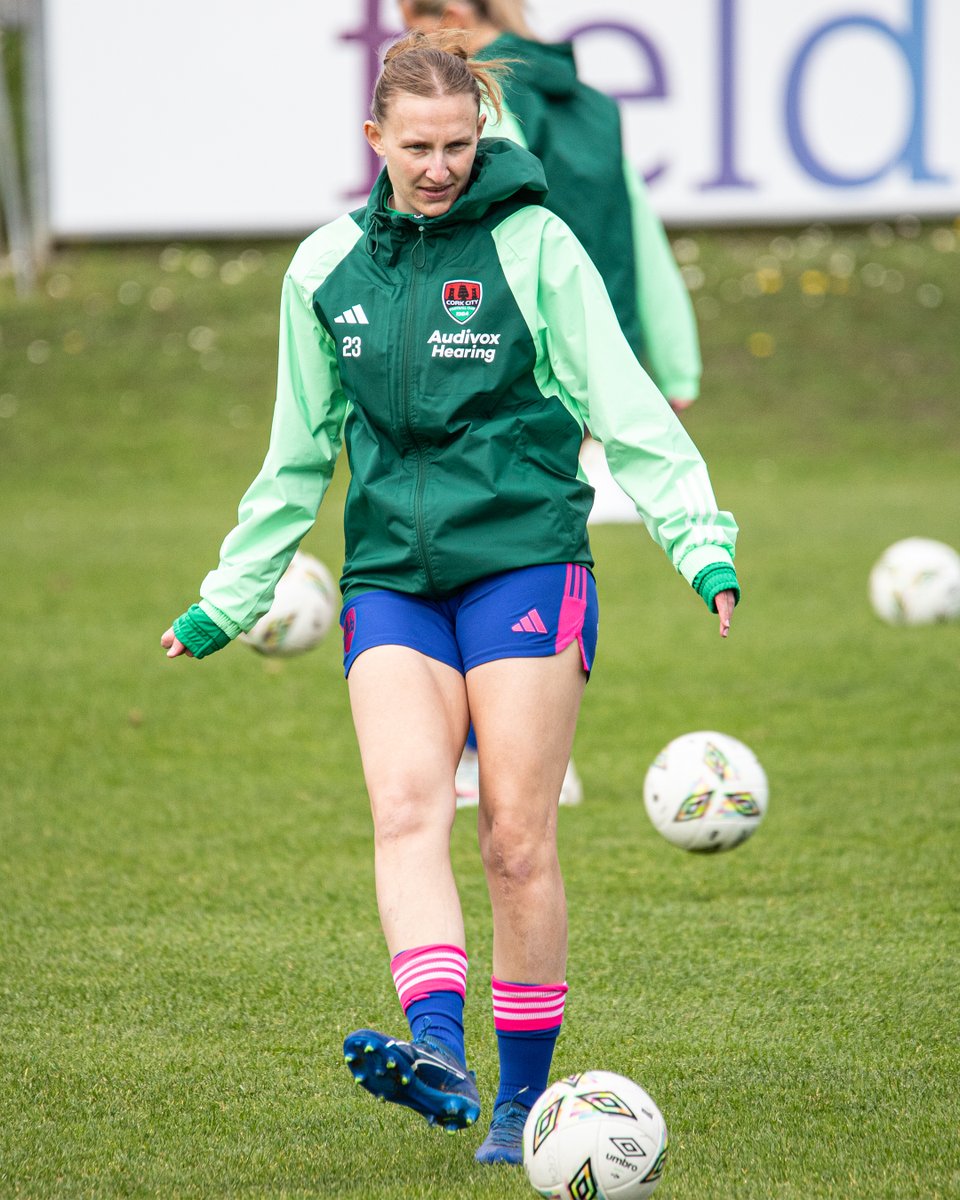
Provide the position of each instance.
(527, 1018)
(431, 982)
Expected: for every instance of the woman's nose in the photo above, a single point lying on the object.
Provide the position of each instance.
(438, 170)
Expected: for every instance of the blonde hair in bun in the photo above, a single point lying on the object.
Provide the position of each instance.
(436, 64)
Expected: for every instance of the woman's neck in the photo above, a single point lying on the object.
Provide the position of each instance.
(481, 35)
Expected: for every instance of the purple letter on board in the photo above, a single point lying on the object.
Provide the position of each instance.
(911, 44)
(727, 177)
(371, 35)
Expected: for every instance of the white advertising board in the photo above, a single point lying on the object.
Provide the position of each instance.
(236, 117)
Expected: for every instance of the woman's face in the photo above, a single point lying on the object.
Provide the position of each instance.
(415, 20)
(429, 144)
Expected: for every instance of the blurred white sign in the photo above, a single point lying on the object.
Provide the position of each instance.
(235, 117)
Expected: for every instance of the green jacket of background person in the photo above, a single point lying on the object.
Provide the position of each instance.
(575, 132)
(458, 358)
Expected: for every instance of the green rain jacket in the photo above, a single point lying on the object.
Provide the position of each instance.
(575, 132)
(458, 359)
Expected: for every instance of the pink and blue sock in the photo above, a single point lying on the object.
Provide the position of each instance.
(527, 1019)
(431, 983)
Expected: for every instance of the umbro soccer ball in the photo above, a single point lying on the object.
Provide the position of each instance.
(916, 582)
(302, 611)
(597, 1134)
(705, 791)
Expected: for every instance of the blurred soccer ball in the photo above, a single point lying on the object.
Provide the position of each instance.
(597, 1134)
(706, 792)
(302, 611)
(916, 582)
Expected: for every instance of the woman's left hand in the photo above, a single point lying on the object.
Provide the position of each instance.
(725, 602)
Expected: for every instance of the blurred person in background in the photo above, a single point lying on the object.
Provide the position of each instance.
(575, 132)
(456, 338)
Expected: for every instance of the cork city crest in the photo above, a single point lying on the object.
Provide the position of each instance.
(461, 298)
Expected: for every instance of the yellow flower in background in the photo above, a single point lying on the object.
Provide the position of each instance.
(760, 345)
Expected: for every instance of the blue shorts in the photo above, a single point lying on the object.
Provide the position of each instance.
(533, 612)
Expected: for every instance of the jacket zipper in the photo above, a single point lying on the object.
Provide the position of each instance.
(418, 261)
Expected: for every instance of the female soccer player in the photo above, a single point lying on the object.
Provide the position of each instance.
(455, 335)
(575, 132)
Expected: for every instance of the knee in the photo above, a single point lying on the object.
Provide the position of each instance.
(515, 856)
(402, 812)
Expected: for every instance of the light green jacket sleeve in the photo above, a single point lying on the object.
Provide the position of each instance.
(583, 357)
(667, 321)
(281, 504)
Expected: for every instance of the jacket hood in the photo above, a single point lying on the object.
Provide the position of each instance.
(502, 172)
(545, 67)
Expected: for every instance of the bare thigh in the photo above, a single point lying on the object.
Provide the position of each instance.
(525, 711)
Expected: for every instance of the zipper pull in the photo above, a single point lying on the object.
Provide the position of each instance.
(420, 249)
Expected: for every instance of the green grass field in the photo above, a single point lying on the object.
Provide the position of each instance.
(185, 849)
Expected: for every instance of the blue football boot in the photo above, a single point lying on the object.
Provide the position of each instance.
(426, 1076)
(504, 1140)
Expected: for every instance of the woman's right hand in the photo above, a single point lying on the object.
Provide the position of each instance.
(173, 646)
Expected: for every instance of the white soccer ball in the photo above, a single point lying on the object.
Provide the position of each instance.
(597, 1134)
(705, 791)
(916, 582)
(303, 609)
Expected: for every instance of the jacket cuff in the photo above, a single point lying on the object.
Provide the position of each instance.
(218, 617)
(200, 634)
(718, 577)
(698, 558)
(684, 387)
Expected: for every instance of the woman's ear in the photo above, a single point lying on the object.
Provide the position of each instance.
(371, 131)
